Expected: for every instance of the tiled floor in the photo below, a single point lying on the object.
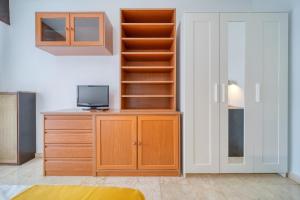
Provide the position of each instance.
(207, 187)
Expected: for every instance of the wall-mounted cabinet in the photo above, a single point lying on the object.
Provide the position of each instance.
(74, 33)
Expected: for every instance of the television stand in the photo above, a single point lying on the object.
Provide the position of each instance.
(99, 142)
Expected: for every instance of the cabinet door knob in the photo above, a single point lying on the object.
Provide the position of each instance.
(67, 28)
(140, 143)
(72, 29)
(134, 143)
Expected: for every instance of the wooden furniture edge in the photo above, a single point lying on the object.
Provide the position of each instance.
(108, 34)
(96, 113)
(132, 9)
(138, 173)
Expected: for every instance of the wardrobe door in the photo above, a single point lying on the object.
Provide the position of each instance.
(237, 77)
(271, 92)
(201, 62)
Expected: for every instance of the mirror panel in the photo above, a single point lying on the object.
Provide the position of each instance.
(236, 85)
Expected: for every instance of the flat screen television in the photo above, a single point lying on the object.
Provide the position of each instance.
(93, 96)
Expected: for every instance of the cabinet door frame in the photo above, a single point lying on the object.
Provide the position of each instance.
(270, 158)
(176, 141)
(201, 127)
(101, 19)
(38, 30)
(133, 166)
(246, 164)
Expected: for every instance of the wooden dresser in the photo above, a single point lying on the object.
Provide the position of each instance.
(111, 143)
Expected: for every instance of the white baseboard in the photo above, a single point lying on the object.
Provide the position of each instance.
(295, 177)
(39, 155)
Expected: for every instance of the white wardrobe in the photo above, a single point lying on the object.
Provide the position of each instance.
(234, 91)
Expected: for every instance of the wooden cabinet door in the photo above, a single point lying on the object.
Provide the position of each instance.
(158, 141)
(87, 29)
(116, 142)
(52, 29)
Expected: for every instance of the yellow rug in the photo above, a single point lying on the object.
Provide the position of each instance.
(57, 192)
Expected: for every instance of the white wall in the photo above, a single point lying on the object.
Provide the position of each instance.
(294, 92)
(55, 78)
(2, 30)
(272, 5)
(3, 46)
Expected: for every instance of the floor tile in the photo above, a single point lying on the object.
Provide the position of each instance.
(192, 187)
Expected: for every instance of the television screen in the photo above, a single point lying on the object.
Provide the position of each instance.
(4, 11)
(93, 96)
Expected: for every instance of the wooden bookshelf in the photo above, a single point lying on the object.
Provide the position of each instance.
(148, 59)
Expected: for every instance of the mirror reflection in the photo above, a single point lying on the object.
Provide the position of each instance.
(236, 86)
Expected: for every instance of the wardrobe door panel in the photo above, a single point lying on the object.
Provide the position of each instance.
(201, 49)
(271, 137)
(236, 78)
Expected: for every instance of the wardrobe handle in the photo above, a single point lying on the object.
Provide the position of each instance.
(216, 92)
(257, 92)
(223, 93)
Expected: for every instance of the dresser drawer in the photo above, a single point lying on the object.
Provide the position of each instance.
(68, 151)
(68, 167)
(68, 137)
(68, 123)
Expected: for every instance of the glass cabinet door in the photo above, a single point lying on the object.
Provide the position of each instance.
(87, 28)
(53, 29)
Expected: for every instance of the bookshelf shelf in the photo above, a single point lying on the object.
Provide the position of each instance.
(148, 59)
